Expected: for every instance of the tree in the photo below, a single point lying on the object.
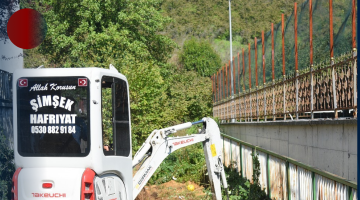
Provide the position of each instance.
(7, 168)
(89, 33)
(200, 56)
(85, 33)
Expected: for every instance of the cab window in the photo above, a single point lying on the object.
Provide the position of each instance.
(115, 117)
(53, 116)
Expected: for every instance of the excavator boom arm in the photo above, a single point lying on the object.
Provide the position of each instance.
(158, 146)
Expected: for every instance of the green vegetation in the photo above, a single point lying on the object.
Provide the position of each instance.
(210, 20)
(167, 49)
(188, 164)
(200, 57)
(240, 188)
(7, 168)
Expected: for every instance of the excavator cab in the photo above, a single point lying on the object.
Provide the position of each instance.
(63, 119)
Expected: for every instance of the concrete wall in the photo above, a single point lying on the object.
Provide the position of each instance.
(330, 145)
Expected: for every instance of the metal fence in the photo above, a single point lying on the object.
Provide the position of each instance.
(322, 88)
(284, 178)
(288, 84)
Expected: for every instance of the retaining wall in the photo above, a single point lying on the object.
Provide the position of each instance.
(330, 145)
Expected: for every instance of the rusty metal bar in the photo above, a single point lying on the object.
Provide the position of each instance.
(296, 64)
(273, 67)
(216, 86)
(223, 73)
(249, 66)
(311, 60)
(226, 81)
(311, 31)
(295, 36)
(331, 29)
(212, 87)
(250, 81)
(238, 71)
(256, 77)
(243, 61)
(283, 59)
(229, 80)
(272, 52)
(283, 42)
(238, 76)
(233, 107)
(263, 62)
(234, 74)
(218, 80)
(256, 70)
(263, 54)
(353, 24)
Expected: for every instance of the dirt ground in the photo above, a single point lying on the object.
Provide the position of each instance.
(172, 190)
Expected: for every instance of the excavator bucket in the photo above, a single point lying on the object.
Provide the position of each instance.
(213, 156)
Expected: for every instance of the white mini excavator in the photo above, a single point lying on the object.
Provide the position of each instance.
(60, 120)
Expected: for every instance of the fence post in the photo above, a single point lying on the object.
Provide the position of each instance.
(273, 68)
(233, 104)
(313, 185)
(355, 82)
(311, 61)
(354, 55)
(256, 75)
(268, 174)
(265, 117)
(288, 180)
(233, 94)
(297, 94)
(312, 90)
(283, 59)
(250, 83)
(230, 154)
(238, 76)
(243, 62)
(332, 58)
(241, 161)
(263, 61)
(296, 64)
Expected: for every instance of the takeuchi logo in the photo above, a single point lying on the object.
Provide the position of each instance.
(51, 195)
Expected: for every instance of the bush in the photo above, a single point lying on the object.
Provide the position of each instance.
(240, 188)
(200, 57)
(7, 168)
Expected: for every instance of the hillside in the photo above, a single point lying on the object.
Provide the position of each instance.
(210, 20)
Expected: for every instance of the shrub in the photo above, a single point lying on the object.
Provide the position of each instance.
(200, 57)
(7, 168)
(240, 188)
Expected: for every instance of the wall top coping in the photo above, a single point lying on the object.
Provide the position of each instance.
(296, 122)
